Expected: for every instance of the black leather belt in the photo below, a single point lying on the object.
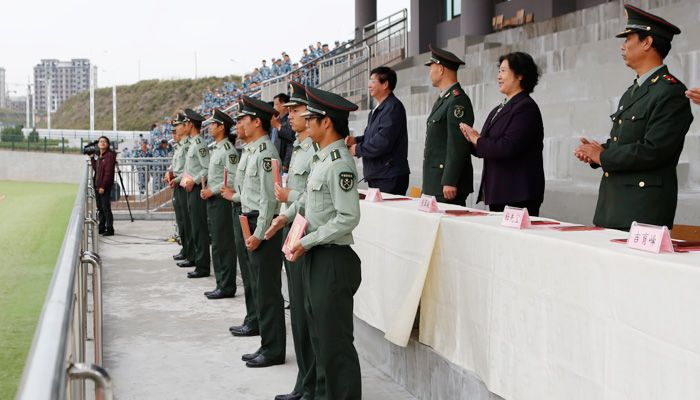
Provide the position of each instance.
(256, 214)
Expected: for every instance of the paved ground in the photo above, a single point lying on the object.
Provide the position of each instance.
(165, 340)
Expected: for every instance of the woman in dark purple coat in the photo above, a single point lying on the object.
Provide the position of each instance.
(104, 164)
(511, 141)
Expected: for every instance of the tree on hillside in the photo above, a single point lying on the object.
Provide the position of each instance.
(12, 134)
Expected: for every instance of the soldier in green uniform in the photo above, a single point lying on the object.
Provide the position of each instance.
(182, 142)
(250, 325)
(639, 159)
(331, 270)
(299, 167)
(260, 207)
(447, 163)
(224, 160)
(197, 166)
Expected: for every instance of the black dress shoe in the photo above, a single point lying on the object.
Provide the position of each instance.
(261, 362)
(195, 274)
(179, 257)
(186, 264)
(245, 331)
(291, 396)
(108, 232)
(235, 328)
(248, 357)
(210, 292)
(218, 294)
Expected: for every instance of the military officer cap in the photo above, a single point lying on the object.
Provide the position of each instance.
(327, 104)
(221, 118)
(192, 115)
(239, 111)
(444, 58)
(641, 21)
(258, 108)
(179, 119)
(298, 97)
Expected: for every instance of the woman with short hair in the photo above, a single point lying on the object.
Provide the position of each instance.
(512, 140)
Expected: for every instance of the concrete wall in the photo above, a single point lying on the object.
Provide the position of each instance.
(41, 167)
(583, 79)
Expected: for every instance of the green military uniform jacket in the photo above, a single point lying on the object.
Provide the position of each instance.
(258, 192)
(179, 158)
(331, 204)
(224, 156)
(640, 158)
(300, 167)
(239, 180)
(197, 162)
(447, 154)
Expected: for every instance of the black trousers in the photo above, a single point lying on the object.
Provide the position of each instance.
(251, 302)
(223, 248)
(266, 267)
(104, 210)
(396, 185)
(332, 275)
(197, 208)
(182, 216)
(306, 360)
(533, 207)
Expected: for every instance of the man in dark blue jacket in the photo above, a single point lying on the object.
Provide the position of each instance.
(384, 146)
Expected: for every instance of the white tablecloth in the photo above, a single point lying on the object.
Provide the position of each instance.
(537, 314)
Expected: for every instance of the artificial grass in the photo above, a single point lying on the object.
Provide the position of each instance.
(33, 221)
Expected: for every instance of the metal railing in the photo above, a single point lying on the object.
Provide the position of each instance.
(87, 134)
(57, 364)
(142, 180)
(384, 42)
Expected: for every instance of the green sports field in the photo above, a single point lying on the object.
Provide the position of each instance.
(33, 220)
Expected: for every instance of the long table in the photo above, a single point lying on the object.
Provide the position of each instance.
(536, 314)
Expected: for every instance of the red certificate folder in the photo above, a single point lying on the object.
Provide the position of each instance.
(244, 226)
(186, 178)
(295, 234)
(225, 176)
(204, 185)
(276, 171)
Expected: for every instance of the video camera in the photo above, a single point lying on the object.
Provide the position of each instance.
(91, 148)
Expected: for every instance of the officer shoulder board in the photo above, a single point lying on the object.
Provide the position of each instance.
(670, 79)
(263, 146)
(317, 146)
(198, 141)
(227, 146)
(335, 154)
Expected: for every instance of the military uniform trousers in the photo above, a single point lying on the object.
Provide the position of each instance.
(223, 249)
(331, 277)
(306, 360)
(197, 208)
(266, 267)
(182, 216)
(251, 303)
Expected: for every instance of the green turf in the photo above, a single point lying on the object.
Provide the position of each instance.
(33, 221)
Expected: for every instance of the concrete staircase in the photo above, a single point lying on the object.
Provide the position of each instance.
(583, 77)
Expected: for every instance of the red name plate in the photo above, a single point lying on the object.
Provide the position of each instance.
(428, 204)
(649, 238)
(374, 195)
(516, 218)
(226, 176)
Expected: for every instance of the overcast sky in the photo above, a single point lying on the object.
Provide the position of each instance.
(142, 39)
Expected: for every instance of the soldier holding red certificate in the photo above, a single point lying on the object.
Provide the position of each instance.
(260, 206)
(300, 166)
(331, 269)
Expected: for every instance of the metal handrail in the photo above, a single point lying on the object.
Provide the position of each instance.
(57, 349)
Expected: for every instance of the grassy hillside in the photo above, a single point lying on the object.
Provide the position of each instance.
(138, 105)
(9, 117)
